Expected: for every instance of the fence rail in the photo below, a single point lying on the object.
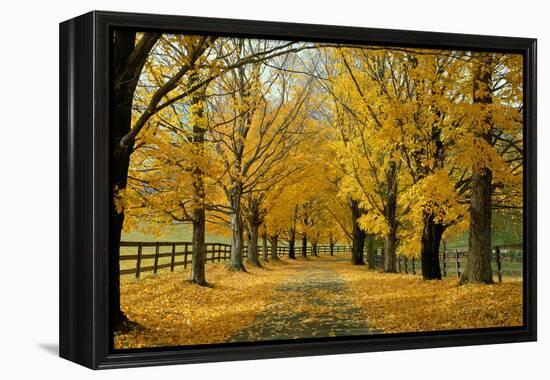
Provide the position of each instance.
(507, 260)
(149, 256)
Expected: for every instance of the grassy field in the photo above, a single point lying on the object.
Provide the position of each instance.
(181, 232)
(176, 233)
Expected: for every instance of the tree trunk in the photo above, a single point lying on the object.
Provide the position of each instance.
(371, 252)
(478, 265)
(314, 249)
(116, 221)
(390, 210)
(199, 248)
(198, 275)
(331, 247)
(264, 245)
(292, 243)
(431, 239)
(292, 236)
(358, 243)
(236, 260)
(274, 245)
(253, 257)
(390, 245)
(128, 61)
(304, 246)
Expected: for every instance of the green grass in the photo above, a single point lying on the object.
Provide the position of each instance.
(176, 233)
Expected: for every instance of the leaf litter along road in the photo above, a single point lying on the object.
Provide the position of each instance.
(315, 297)
(311, 303)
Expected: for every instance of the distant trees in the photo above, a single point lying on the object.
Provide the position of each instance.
(410, 138)
(176, 164)
(259, 127)
(297, 142)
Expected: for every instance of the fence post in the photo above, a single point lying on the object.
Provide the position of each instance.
(499, 267)
(457, 263)
(399, 264)
(444, 263)
(138, 262)
(185, 255)
(156, 263)
(173, 258)
(406, 265)
(219, 253)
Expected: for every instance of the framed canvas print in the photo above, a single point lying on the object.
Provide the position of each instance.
(238, 189)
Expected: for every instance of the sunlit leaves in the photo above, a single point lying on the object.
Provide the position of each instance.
(405, 303)
(368, 122)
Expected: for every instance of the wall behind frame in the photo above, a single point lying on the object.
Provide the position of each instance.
(29, 190)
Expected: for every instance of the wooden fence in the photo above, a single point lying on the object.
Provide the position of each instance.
(507, 260)
(154, 256)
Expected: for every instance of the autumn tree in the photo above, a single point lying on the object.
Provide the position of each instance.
(259, 120)
(337, 120)
(175, 77)
(327, 143)
(129, 58)
(496, 133)
(426, 119)
(366, 146)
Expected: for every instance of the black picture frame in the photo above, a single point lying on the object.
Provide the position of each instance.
(84, 164)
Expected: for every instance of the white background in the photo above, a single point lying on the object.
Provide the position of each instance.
(29, 187)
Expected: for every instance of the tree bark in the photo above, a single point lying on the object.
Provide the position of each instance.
(314, 249)
(253, 257)
(331, 246)
(198, 275)
(390, 209)
(264, 245)
(292, 243)
(292, 236)
(390, 245)
(431, 239)
(478, 265)
(128, 62)
(371, 252)
(274, 245)
(236, 259)
(304, 246)
(358, 242)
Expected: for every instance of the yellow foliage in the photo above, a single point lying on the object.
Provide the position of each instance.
(382, 121)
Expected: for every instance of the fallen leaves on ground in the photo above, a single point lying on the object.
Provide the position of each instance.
(396, 303)
(171, 311)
